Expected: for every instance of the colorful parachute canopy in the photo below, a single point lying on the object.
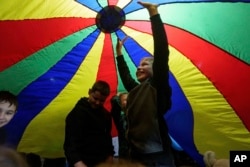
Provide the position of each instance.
(51, 52)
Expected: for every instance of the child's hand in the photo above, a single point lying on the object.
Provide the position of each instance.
(152, 8)
(119, 45)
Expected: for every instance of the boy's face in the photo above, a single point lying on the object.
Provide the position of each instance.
(96, 99)
(7, 112)
(144, 70)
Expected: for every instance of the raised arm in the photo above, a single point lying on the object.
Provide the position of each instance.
(161, 57)
(127, 80)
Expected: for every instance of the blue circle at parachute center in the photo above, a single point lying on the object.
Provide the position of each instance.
(110, 19)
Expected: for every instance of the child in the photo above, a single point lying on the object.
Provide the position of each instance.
(118, 103)
(88, 139)
(10, 158)
(8, 108)
(211, 161)
(148, 101)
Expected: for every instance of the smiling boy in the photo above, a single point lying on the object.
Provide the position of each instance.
(148, 100)
(8, 108)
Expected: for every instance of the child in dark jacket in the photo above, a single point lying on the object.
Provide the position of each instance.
(148, 100)
(88, 139)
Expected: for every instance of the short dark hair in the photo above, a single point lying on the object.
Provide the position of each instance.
(6, 96)
(101, 86)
